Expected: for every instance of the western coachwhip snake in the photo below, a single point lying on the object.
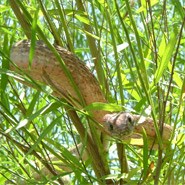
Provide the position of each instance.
(46, 68)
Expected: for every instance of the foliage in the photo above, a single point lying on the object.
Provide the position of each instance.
(136, 51)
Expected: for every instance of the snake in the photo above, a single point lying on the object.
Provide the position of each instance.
(71, 79)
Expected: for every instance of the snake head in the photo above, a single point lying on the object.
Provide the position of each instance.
(119, 125)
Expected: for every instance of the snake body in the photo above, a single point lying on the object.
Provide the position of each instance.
(47, 69)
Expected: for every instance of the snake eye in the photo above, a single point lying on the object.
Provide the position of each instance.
(129, 119)
(111, 127)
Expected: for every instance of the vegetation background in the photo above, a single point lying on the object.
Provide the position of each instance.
(136, 49)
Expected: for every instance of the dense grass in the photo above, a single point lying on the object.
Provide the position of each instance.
(136, 51)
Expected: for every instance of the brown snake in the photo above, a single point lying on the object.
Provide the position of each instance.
(46, 69)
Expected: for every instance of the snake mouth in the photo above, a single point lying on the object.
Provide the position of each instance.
(124, 131)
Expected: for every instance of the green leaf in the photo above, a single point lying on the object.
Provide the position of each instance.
(103, 106)
(83, 19)
(166, 57)
(43, 135)
(145, 5)
(40, 112)
(33, 37)
(145, 153)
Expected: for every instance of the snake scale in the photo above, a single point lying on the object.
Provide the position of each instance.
(46, 68)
